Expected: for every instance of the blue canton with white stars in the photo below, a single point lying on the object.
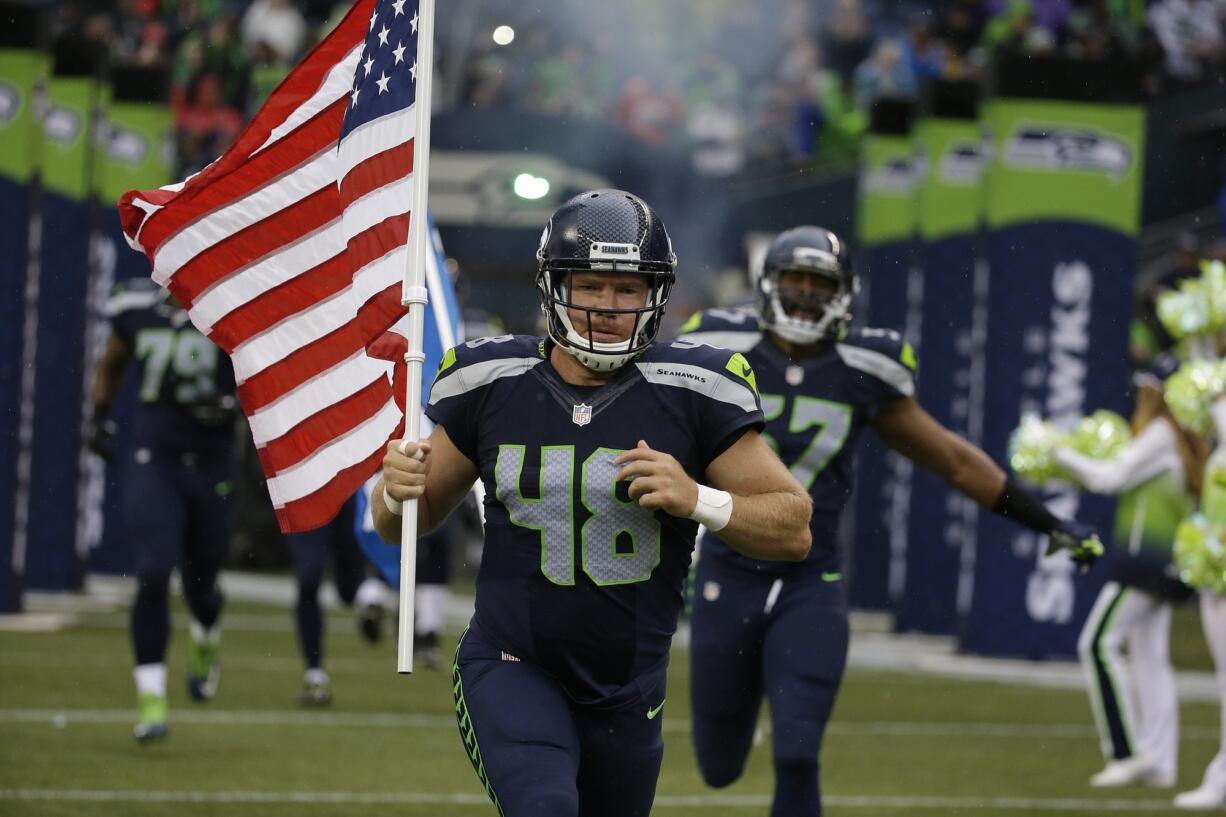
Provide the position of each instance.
(386, 78)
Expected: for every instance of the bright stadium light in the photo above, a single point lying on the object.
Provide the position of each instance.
(530, 187)
(504, 35)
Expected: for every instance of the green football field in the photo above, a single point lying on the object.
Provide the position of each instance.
(899, 744)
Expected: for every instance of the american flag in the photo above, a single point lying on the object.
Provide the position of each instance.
(290, 252)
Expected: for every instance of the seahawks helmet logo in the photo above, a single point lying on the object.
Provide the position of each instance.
(127, 147)
(10, 102)
(962, 164)
(62, 125)
(1067, 149)
(895, 177)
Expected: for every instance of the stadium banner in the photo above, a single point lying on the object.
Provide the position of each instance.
(69, 185)
(136, 151)
(949, 200)
(1063, 211)
(23, 75)
(892, 289)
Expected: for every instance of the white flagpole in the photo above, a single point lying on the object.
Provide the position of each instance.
(415, 298)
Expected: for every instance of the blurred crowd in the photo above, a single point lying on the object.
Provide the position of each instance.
(763, 84)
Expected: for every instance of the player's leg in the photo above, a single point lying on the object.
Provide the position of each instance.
(1100, 648)
(433, 592)
(348, 563)
(1153, 676)
(622, 750)
(1212, 791)
(803, 659)
(309, 552)
(726, 628)
(154, 516)
(211, 509)
(517, 730)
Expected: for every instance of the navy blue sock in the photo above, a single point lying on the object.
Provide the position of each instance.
(310, 625)
(796, 789)
(151, 619)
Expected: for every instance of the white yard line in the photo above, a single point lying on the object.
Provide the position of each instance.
(747, 801)
(397, 720)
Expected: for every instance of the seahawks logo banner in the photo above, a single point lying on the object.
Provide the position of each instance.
(23, 72)
(951, 157)
(1063, 206)
(69, 186)
(893, 290)
(135, 152)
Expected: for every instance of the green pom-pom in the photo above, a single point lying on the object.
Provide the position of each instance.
(1190, 393)
(1200, 555)
(1213, 280)
(1032, 449)
(1101, 435)
(1185, 312)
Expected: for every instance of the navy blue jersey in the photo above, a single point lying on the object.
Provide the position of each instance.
(186, 384)
(815, 410)
(575, 576)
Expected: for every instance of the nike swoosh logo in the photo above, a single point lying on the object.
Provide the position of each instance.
(746, 371)
(651, 713)
(831, 577)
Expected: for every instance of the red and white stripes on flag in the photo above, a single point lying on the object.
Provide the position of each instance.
(289, 252)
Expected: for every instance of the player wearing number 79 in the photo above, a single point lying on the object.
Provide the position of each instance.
(175, 478)
(592, 444)
(766, 628)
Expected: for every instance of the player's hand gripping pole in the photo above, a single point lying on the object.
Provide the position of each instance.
(414, 296)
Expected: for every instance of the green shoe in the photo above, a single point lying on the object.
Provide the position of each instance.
(153, 714)
(203, 668)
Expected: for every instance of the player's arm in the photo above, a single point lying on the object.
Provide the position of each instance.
(763, 510)
(108, 378)
(908, 429)
(439, 482)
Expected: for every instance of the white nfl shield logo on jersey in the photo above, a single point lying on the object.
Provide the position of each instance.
(582, 414)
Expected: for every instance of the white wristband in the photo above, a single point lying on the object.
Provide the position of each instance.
(393, 505)
(713, 509)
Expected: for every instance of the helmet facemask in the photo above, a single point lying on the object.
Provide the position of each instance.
(804, 315)
(555, 283)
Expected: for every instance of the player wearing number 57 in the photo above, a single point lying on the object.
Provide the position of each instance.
(762, 628)
(601, 452)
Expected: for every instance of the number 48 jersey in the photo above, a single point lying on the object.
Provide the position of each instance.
(576, 577)
(814, 411)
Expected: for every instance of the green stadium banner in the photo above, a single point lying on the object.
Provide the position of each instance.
(949, 198)
(893, 288)
(69, 180)
(1063, 211)
(23, 76)
(138, 154)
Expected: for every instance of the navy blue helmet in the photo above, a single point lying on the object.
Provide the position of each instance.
(799, 315)
(611, 231)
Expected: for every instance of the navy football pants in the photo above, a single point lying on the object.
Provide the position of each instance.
(311, 551)
(178, 513)
(752, 637)
(538, 753)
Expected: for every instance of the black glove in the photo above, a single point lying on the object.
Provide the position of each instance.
(100, 433)
(1080, 540)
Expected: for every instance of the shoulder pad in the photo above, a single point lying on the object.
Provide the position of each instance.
(881, 353)
(736, 329)
(720, 374)
(133, 294)
(887, 342)
(481, 361)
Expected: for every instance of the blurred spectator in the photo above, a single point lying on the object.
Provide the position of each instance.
(1191, 35)
(277, 23)
(848, 40)
(650, 112)
(922, 53)
(884, 74)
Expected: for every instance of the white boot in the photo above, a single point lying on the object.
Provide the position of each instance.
(1205, 798)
